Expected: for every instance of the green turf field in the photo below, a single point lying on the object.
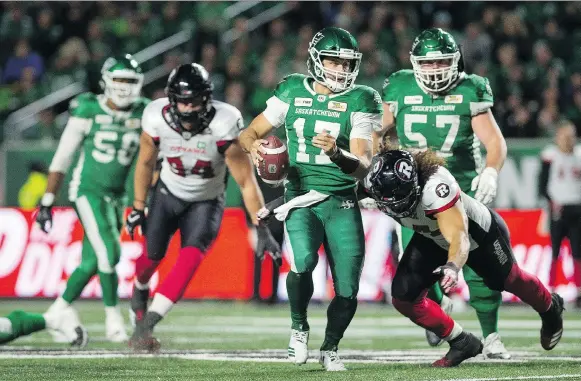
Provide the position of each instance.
(243, 341)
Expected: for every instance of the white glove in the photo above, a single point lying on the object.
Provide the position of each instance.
(485, 185)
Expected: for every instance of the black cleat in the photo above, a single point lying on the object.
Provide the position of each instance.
(465, 346)
(552, 328)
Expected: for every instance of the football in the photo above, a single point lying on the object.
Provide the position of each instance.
(274, 168)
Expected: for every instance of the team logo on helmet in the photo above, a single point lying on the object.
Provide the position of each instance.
(404, 169)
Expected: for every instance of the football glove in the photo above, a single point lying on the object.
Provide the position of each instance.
(448, 276)
(135, 219)
(267, 243)
(44, 218)
(485, 185)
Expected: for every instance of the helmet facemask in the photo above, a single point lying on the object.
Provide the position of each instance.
(334, 80)
(436, 80)
(122, 87)
(399, 207)
(198, 120)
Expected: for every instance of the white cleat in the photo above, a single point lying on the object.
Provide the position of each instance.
(494, 348)
(115, 328)
(67, 325)
(331, 362)
(298, 351)
(56, 308)
(433, 339)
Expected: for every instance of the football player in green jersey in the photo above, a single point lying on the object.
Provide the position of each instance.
(328, 121)
(105, 129)
(439, 106)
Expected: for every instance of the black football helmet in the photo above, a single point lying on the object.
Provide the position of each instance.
(190, 83)
(393, 183)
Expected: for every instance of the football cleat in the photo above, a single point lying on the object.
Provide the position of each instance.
(552, 327)
(298, 351)
(463, 347)
(331, 362)
(433, 339)
(143, 340)
(67, 325)
(494, 348)
(115, 327)
(57, 307)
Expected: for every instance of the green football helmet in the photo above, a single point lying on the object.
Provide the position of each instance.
(334, 42)
(435, 46)
(121, 80)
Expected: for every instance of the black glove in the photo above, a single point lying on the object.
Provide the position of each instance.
(448, 276)
(135, 219)
(44, 218)
(267, 243)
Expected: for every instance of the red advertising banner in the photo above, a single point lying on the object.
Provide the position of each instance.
(33, 264)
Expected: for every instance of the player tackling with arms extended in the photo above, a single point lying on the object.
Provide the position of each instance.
(453, 229)
(328, 121)
(198, 138)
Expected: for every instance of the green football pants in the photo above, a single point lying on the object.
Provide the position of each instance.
(336, 223)
(486, 302)
(102, 218)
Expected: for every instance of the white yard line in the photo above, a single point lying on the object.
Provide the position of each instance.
(578, 375)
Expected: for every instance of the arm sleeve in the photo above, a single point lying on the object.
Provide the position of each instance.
(148, 121)
(440, 193)
(484, 100)
(73, 135)
(363, 124)
(276, 111)
(231, 134)
(389, 93)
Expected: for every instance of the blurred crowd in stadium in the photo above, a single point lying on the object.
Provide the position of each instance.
(531, 52)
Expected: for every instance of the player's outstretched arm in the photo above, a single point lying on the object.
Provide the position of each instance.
(71, 139)
(453, 224)
(487, 131)
(242, 171)
(144, 167)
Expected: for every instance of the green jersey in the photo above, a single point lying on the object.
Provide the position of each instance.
(109, 145)
(440, 123)
(350, 114)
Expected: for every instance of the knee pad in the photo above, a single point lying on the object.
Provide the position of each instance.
(308, 265)
(404, 289)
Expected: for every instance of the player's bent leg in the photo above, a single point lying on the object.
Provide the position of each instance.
(304, 235)
(74, 287)
(162, 220)
(409, 288)
(100, 222)
(434, 292)
(199, 224)
(494, 261)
